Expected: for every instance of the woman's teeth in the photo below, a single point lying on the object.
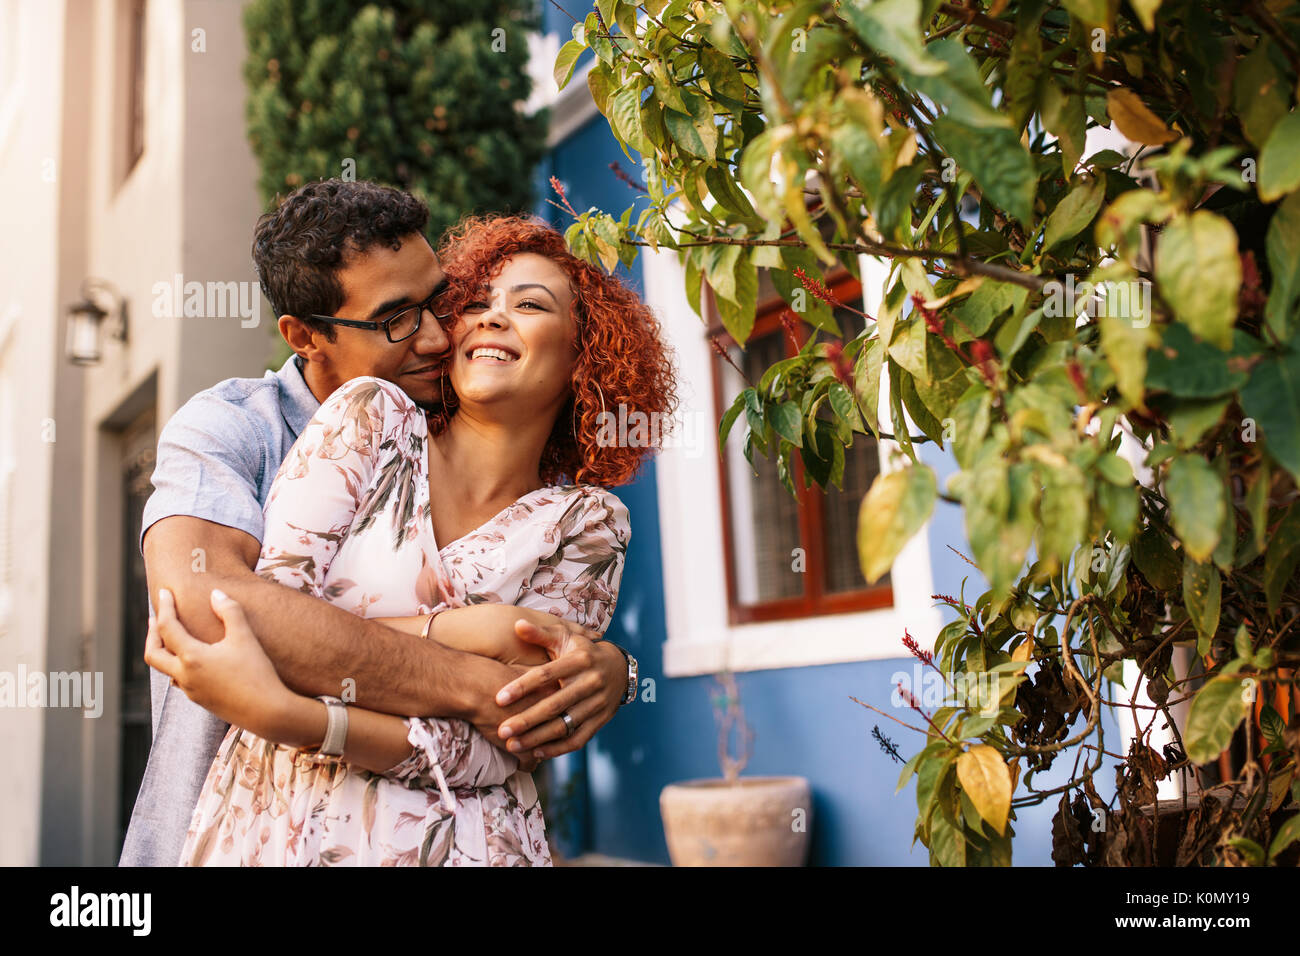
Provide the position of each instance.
(493, 354)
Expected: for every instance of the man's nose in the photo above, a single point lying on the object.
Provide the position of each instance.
(433, 337)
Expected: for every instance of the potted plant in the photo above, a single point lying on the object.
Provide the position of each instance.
(735, 821)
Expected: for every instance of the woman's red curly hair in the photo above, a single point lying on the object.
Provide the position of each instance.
(622, 358)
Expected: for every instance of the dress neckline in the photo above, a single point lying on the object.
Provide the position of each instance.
(440, 549)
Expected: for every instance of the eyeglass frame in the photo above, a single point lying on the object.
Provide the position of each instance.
(385, 324)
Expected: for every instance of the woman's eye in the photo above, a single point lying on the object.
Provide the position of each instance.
(477, 306)
(530, 304)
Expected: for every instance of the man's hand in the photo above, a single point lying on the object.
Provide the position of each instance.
(480, 678)
(593, 680)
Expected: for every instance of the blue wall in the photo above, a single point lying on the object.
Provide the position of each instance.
(804, 721)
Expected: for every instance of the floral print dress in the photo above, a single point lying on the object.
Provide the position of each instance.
(347, 520)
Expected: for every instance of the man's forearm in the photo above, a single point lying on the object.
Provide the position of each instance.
(319, 648)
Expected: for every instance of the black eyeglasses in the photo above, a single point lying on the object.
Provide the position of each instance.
(400, 325)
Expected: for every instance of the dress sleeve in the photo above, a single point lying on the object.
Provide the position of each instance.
(448, 754)
(318, 490)
(579, 580)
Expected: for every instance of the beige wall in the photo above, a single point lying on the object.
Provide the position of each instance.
(32, 70)
(187, 207)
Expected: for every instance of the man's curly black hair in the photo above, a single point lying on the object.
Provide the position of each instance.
(300, 246)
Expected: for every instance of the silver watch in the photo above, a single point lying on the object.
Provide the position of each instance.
(632, 683)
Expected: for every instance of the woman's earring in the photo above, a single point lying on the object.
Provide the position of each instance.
(443, 383)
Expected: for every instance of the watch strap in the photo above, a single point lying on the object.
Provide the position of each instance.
(630, 694)
(336, 727)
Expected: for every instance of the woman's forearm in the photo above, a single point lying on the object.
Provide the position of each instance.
(375, 742)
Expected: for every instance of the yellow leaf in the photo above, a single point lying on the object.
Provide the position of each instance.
(987, 782)
(1135, 121)
(1025, 652)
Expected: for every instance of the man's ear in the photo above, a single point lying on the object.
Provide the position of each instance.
(299, 337)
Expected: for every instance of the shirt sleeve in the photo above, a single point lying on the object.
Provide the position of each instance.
(209, 466)
(318, 489)
(579, 580)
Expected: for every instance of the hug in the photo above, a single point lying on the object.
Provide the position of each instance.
(382, 573)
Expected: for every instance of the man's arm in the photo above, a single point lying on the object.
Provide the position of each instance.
(314, 645)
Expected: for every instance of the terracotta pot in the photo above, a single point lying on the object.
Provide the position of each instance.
(757, 821)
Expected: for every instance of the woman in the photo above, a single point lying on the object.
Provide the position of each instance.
(377, 513)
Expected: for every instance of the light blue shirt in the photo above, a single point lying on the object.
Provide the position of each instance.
(217, 458)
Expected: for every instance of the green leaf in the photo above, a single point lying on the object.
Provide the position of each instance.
(1257, 504)
(1158, 562)
(1091, 13)
(625, 117)
(1146, 11)
(1252, 851)
(947, 844)
(1065, 118)
(895, 508)
(565, 60)
(1216, 711)
(1187, 368)
(1125, 344)
(1279, 160)
(1202, 593)
(788, 422)
(1260, 93)
(722, 74)
(960, 89)
(696, 133)
(729, 419)
(1272, 398)
(1063, 510)
(908, 346)
(1189, 420)
(997, 159)
(857, 149)
(1286, 834)
(843, 405)
(1120, 505)
(1196, 504)
(1271, 724)
(1284, 264)
(737, 313)
(985, 779)
(1073, 213)
(1282, 557)
(1199, 274)
(1001, 516)
(866, 382)
(893, 28)
(987, 304)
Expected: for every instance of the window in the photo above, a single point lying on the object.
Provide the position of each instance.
(790, 557)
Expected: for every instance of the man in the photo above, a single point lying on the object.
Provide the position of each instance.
(354, 284)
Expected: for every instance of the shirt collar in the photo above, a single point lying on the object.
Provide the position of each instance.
(296, 399)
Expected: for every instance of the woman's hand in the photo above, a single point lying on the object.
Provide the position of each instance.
(232, 678)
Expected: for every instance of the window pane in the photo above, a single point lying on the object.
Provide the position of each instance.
(764, 516)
